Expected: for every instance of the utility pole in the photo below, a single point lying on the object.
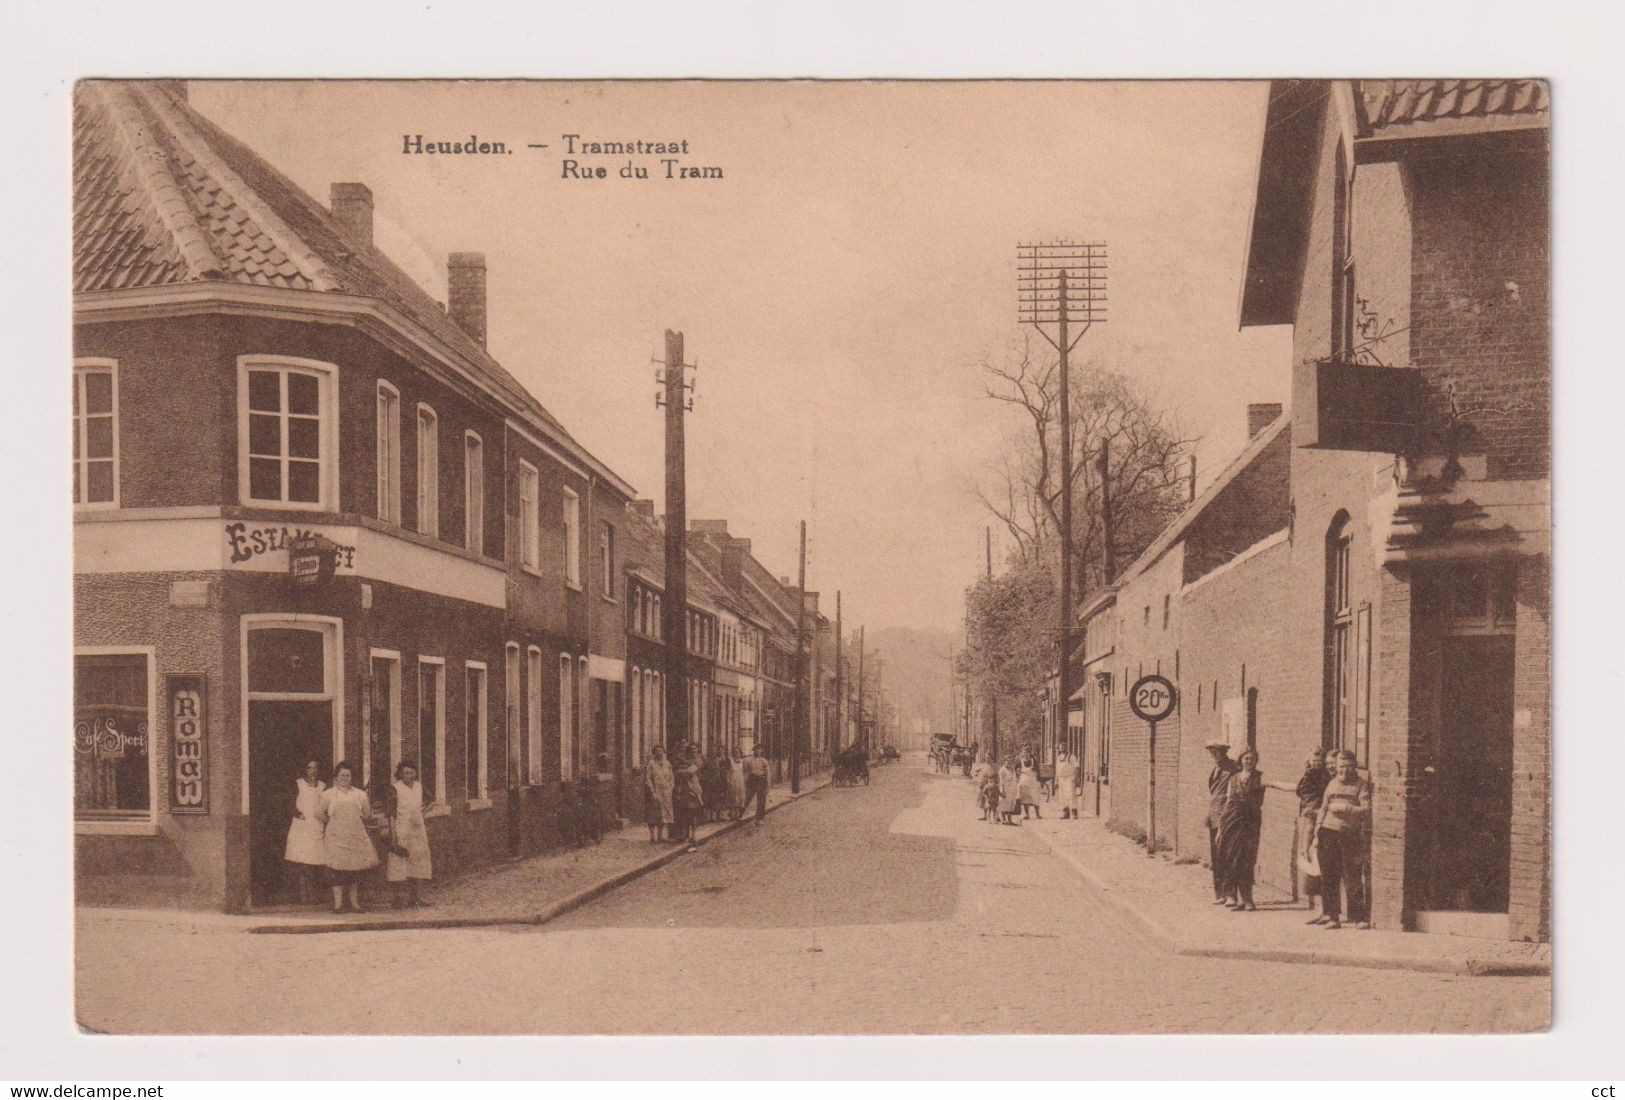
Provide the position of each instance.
(993, 697)
(796, 732)
(863, 729)
(1107, 538)
(676, 401)
(1059, 282)
(840, 684)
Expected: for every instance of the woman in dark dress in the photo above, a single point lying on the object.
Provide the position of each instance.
(1239, 826)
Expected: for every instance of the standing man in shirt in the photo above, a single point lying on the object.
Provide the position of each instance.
(1218, 785)
(756, 782)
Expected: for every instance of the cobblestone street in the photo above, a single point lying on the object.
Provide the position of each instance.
(883, 909)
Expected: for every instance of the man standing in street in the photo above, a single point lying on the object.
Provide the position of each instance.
(1218, 785)
(756, 782)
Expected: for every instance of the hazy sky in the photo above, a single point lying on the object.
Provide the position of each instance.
(836, 286)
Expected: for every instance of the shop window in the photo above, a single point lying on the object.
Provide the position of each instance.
(287, 455)
(384, 744)
(112, 761)
(432, 726)
(95, 434)
(473, 492)
(476, 762)
(572, 538)
(389, 453)
(428, 472)
(530, 531)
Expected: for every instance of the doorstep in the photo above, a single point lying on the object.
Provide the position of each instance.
(1172, 902)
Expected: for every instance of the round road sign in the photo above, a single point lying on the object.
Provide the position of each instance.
(1152, 698)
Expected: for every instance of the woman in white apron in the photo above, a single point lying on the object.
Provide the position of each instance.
(304, 850)
(1027, 786)
(348, 848)
(1066, 781)
(409, 837)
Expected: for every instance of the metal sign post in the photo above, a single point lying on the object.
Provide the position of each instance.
(1152, 699)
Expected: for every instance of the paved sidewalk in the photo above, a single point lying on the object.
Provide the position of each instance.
(526, 891)
(1174, 904)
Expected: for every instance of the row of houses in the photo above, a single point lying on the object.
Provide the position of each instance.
(315, 519)
(1372, 571)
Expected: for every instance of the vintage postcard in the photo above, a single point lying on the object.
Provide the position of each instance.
(811, 557)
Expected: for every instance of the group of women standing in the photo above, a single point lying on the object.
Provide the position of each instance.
(1236, 809)
(1009, 790)
(329, 832)
(688, 790)
(1334, 811)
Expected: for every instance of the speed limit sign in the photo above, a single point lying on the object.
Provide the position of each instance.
(1151, 698)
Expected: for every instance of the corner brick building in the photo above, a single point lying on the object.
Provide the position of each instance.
(1372, 572)
(314, 519)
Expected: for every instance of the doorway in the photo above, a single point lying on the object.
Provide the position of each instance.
(283, 735)
(290, 704)
(1469, 818)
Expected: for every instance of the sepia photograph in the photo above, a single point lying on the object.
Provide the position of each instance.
(811, 557)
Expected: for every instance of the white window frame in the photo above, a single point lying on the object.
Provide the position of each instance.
(530, 518)
(583, 735)
(81, 463)
(427, 425)
(512, 726)
(474, 492)
(533, 719)
(479, 792)
(570, 508)
(327, 377)
(606, 559)
(332, 630)
(393, 657)
(439, 732)
(567, 716)
(133, 825)
(389, 453)
(634, 708)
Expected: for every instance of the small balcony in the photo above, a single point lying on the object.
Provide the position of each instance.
(1340, 406)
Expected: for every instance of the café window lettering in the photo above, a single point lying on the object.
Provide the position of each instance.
(112, 777)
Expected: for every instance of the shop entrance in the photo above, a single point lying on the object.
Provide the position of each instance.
(1468, 823)
(290, 702)
(282, 736)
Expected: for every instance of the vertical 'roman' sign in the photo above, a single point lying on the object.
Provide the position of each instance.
(188, 745)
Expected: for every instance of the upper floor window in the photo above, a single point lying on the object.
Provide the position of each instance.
(606, 558)
(428, 472)
(95, 433)
(288, 433)
(473, 492)
(1342, 261)
(530, 531)
(572, 538)
(389, 453)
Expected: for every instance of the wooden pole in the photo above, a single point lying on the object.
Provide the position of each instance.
(801, 705)
(676, 602)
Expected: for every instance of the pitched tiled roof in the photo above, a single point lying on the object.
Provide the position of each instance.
(163, 197)
(1393, 102)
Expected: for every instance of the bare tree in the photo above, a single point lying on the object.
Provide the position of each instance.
(1008, 658)
(1144, 448)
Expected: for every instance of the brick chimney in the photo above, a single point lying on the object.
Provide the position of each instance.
(644, 508)
(465, 289)
(733, 565)
(709, 526)
(1261, 416)
(351, 204)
